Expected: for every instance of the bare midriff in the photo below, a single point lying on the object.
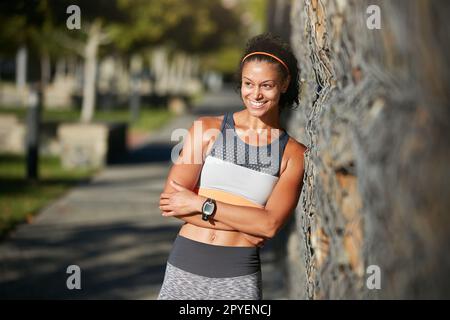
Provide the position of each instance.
(214, 237)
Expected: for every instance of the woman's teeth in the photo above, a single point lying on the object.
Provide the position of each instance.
(256, 104)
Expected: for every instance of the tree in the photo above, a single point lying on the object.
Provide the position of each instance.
(191, 26)
(29, 25)
(127, 25)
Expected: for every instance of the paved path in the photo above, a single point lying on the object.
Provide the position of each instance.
(111, 228)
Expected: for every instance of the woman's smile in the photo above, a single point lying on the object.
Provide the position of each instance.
(257, 104)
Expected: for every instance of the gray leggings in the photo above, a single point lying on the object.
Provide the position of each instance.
(182, 285)
(197, 270)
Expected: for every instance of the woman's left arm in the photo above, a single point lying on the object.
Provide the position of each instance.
(264, 222)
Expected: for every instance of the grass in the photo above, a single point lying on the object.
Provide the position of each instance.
(20, 199)
(149, 118)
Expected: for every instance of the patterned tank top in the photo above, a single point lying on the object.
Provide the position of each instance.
(239, 173)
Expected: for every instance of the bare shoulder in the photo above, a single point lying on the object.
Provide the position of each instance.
(210, 122)
(294, 152)
(206, 129)
(295, 149)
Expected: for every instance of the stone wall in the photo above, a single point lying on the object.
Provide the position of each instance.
(375, 115)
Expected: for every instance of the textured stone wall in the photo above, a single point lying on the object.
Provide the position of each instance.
(375, 115)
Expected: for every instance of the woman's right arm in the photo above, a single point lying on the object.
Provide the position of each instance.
(187, 168)
(186, 172)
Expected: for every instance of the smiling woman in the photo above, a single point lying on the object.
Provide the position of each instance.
(243, 191)
(278, 54)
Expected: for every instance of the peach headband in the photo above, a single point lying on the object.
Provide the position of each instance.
(267, 54)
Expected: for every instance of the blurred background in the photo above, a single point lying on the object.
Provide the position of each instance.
(125, 67)
(91, 93)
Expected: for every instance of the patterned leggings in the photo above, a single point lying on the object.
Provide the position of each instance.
(197, 270)
(182, 285)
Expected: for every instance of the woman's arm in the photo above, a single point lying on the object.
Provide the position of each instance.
(263, 222)
(184, 175)
(283, 200)
(187, 168)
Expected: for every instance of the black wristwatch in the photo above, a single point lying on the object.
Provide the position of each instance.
(208, 209)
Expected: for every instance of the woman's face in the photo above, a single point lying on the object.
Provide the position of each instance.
(261, 87)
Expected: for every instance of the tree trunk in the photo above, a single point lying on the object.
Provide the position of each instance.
(45, 69)
(136, 67)
(45, 75)
(374, 114)
(278, 17)
(160, 68)
(60, 71)
(21, 68)
(90, 72)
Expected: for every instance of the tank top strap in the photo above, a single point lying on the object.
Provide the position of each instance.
(228, 122)
(283, 140)
(224, 121)
(219, 144)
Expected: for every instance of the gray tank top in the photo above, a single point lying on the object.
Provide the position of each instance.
(230, 147)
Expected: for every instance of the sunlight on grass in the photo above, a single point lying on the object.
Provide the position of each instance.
(149, 118)
(20, 199)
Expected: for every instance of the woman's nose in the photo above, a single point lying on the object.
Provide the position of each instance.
(257, 92)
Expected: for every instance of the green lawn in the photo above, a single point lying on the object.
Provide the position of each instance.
(20, 199)
(149, 118)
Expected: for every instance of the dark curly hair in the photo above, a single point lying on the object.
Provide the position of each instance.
(275, 45)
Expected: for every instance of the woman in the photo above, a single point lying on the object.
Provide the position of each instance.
(243, 189)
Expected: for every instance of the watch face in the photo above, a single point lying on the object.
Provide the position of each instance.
(208, 208)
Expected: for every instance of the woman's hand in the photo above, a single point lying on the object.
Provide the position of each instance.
(181, 202)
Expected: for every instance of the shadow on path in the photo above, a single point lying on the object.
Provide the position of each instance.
(112, 265)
